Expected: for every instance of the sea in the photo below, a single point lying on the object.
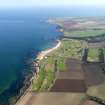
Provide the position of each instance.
(25, 32)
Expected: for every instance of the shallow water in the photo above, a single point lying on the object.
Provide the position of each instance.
(21, 36)
(24, 33)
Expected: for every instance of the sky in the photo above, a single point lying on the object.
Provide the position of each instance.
(38, 3)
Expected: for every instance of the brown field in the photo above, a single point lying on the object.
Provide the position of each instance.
(97, 45)
(78, 77)
(88, 102)
(69, 86)
(49, 98)
(72, 79)
(93, 74)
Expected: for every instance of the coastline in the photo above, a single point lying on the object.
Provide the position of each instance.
(42, 54)
(27, 94)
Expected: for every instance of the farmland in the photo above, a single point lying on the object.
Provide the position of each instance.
(64, 70)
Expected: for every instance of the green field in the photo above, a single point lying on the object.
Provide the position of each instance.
(80, 27)
(93, 54)
(68, 49)
(84, 33)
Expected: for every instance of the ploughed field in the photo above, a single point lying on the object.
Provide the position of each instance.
(75, 76)
(52, 98)
(81, 27)
(72, 79)
(66, 79)
(88, 102)
(71, 85)
(78, 76)
(93, 74)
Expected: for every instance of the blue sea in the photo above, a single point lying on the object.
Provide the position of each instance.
(23, 34)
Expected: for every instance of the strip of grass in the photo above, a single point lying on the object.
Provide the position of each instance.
(93, 54)
(61, 64)
(84, 33)
(50, 76)
(68, 49)
(38, 83)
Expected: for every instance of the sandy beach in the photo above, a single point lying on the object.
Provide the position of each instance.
(42, 54)
(26, 97)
